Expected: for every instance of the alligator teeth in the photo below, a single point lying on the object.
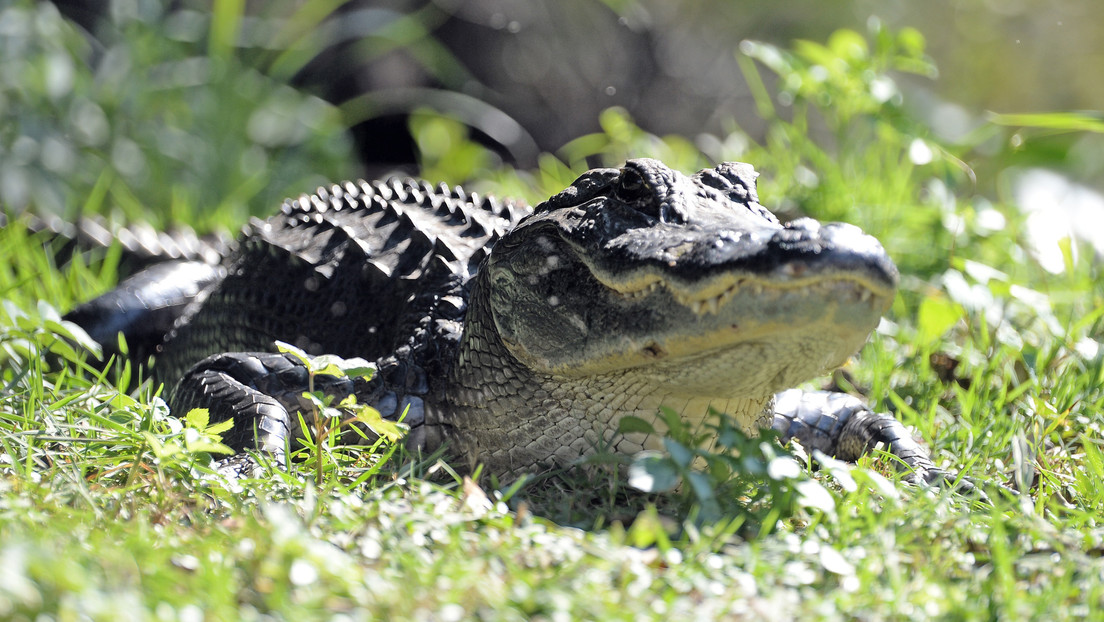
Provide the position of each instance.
(640, 293)
(748, 287)
(713, 305)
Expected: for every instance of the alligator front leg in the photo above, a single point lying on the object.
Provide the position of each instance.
(260, 392)
(844, 427)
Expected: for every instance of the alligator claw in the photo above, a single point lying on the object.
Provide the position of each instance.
(843, 427)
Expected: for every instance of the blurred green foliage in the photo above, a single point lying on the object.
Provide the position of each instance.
(839, 143)
(141, 122)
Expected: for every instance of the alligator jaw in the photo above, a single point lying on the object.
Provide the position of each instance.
(607, 278)
(710, 297)
(778, 333)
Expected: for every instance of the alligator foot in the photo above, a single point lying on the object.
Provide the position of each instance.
(843, 427)
(239, 466)
(260, 392)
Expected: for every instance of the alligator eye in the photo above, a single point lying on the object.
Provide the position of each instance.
(630, 187)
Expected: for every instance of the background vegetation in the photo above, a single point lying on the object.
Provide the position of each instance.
(110, 508)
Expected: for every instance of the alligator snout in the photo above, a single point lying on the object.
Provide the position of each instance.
(805, 247)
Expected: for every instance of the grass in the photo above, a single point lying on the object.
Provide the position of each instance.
(992, 360)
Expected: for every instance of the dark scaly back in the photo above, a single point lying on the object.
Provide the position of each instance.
(356, 269)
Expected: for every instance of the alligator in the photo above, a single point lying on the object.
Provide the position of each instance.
(520, 337)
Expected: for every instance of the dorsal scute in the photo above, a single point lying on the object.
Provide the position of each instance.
(396, 228)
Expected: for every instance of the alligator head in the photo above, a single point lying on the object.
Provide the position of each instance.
(686, 281)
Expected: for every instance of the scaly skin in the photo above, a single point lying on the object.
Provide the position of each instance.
(523, 341)
(678, 292)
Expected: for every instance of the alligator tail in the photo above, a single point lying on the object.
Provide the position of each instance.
(142, 245)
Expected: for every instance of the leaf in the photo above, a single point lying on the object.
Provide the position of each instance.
(708, 506)
(1063, 121)
(812, 495)
(391, 430)
(218, 428)
(702, 486)
(783, 468)
(73, 332)
(651, 471)
(849, 45)
(320, 368)
(675, 425)
(730, 435)
(287, 348)
(679, 452)
(62, 348)
(47, 312)
(911, 41)
(197, 418)
(1023, 461)
(647, 531)
(839, 470)
(880, 484)
(333, 365)
(936, 316)
(13, 311)
(209, 446)
(832, 561)
(634, 425)
(155, 444)
(120, 401)
(359, 368)
(317, 398)
(160, 449)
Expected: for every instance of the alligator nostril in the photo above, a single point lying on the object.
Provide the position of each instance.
(803, 224)
(802, 231)
(791, 236)
(794, 270)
